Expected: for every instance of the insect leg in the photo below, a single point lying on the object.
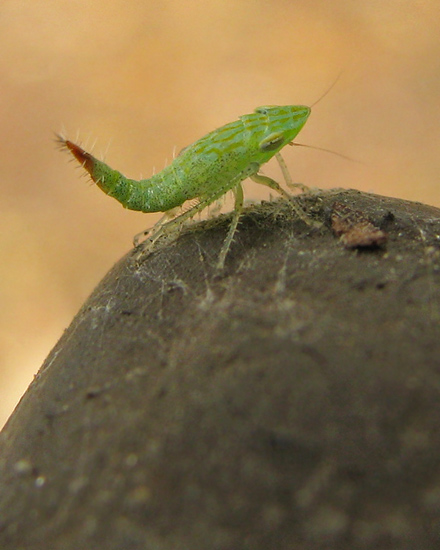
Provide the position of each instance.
(174, 225)
(287, 177)
(238, 192)
(160, 228)
(265, 180)
(269, 182)
(139, 236)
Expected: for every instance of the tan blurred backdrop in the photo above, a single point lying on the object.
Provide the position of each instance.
(143, 77)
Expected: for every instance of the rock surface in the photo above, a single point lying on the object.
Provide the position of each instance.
(291, 403)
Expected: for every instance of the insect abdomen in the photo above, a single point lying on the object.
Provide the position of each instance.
(159, 193)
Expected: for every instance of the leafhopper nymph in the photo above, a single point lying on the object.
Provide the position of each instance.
(205, 170)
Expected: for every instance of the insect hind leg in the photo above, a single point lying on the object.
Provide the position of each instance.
(161, 229)
(151, 230)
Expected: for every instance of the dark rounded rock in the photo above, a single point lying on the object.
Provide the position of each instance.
(293, 402)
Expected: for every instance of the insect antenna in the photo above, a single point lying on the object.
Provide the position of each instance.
(328, 89)
(326, 151)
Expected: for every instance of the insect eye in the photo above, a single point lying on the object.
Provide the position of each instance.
(272, 142)
(261, 110)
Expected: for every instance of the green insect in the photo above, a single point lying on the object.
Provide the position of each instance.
(206, 170)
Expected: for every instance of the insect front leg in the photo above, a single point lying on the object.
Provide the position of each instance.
(287, 177)
(269, 182)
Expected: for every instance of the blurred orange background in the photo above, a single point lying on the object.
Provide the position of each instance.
(141, 78)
